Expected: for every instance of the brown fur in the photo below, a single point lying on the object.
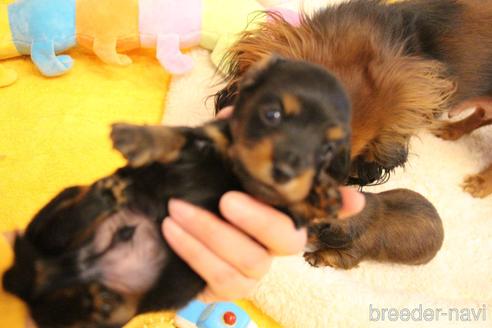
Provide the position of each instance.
(392, 94)
(398, 226)
(166, 153)
(402, 65)
(480, 184)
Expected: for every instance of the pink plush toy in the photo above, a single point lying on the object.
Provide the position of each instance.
(172, 25)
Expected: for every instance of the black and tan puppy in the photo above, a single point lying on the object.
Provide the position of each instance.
(401, 63)
(94, 256)
(398, 226)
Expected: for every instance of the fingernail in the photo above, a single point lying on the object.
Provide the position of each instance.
(236, 202)
(170, 228)
(180, 210)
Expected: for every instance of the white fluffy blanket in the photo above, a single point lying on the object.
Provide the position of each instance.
(458, 282)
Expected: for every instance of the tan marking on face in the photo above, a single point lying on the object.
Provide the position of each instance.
(291, 103)
(335, 133)
(117, 186)
(217, 136)
(257, 160)
(168, 144)
(298, 188)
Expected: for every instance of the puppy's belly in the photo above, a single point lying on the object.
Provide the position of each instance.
(128, 267)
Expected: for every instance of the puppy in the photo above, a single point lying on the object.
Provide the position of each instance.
(402, 65)
(94, 255)
(398, 226)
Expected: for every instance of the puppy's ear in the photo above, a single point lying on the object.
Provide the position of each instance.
(255, 75)
(20, 278)
(339, 166)
(363, 173)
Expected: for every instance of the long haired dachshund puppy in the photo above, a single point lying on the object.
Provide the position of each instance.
(402, 64)
(94, 255)
(398, 226)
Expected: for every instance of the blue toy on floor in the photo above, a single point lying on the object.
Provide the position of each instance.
(216, 315)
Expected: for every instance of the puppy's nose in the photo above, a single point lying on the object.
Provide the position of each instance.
(287, 167)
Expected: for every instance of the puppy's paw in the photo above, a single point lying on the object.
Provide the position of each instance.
(315, 259)
(134, 142)
(332, 257)
(477, 186)
(105, 302)
(448, 132)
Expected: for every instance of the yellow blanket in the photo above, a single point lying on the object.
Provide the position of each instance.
(54, 133)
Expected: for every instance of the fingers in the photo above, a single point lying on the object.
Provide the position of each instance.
(225, 112)
(353, 202)
(222, 239)
(223, 280)
(209, 296)
(271, 228)
(232, 258)
(228, 260)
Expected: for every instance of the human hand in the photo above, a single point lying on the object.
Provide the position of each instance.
(233, 255)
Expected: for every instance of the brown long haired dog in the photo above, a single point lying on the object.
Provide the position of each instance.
(402, 64)
(399, 226)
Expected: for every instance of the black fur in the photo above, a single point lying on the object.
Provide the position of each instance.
(54, 256)
(454, 32)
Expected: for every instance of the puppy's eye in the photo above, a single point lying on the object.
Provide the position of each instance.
(124, 234)
(271, 115)
(201, 144)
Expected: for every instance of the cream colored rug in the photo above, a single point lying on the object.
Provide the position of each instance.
(455, 289)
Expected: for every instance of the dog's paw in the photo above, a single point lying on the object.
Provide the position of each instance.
(134, 142)
(105, 302)
(333, 258)
(448, 132)
(315, 259)
(476, 186)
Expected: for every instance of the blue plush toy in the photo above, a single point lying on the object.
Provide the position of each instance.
(215, 315)
(42, 29)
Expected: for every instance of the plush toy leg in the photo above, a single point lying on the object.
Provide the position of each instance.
(170, 55)
(7, 76)
(44, 57)
(105, 49)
